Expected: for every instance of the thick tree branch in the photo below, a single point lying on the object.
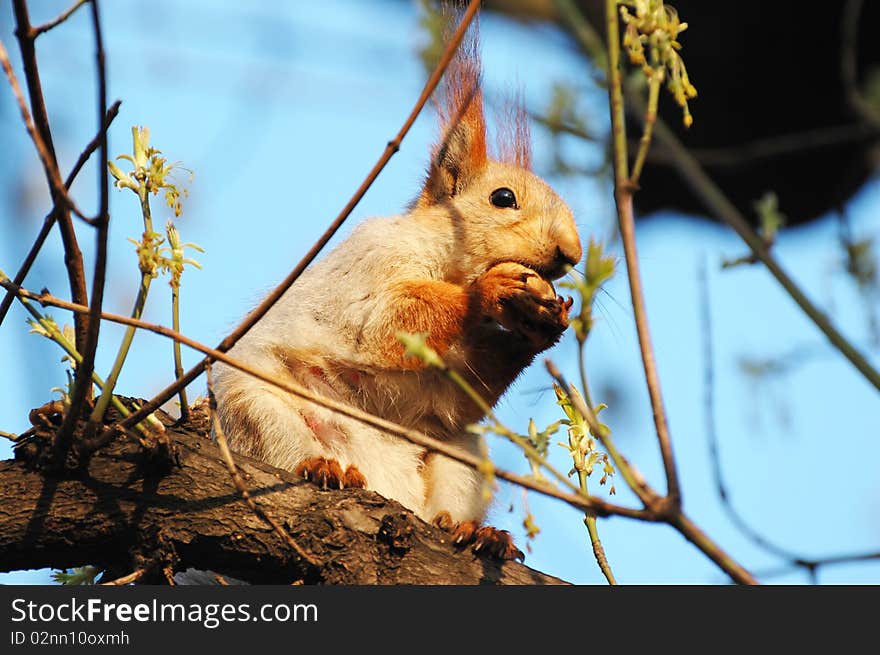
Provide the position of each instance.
(119, 513)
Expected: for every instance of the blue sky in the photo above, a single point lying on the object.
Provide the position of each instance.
(280, 112)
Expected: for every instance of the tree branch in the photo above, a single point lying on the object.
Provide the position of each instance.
(72, 255)
(67, 13)
(623, 196)
(51, 217)
(793, 559)
(82, 387)
(117, 512)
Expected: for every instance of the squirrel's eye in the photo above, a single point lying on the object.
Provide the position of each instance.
(503, 198)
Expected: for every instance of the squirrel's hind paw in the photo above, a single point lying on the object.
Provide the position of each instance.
(486, 539)
(328, 473)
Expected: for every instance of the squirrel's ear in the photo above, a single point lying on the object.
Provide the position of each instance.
(461, 153)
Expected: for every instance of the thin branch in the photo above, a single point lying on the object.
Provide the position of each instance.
(648, 129)
(597, 505)
(49, 220)
(793, 559)
(623, 196)
(220, 436)
(73, 260)
(67, 13)
(126, 579)
(46, 158)
(751, 152)
(849, 45)
(93, 145)
(693, 533)
(590, 520)
(711, 428)
(392, 147)
(721, 206)
(746, 153)
(82, 381)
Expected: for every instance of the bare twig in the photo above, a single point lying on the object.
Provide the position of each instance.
(72, 255)
(648, 129)
(46, 158)
(126, 579)
(67, 13)
(849, 42)
(220, 436)
(751, 152)
(392, 147)
(82, 381)
(746, 153)
(49, 221)
(711, 431)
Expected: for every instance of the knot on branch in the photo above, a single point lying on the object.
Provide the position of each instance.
(397, 532)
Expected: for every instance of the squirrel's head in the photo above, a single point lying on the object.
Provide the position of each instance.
(501, 211)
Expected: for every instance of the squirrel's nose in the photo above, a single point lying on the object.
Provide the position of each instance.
(568, 247)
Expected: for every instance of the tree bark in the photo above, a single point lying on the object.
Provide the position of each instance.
(121, 514)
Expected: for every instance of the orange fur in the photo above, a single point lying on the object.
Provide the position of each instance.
(463, 102)
(438, 308)
(462, 151)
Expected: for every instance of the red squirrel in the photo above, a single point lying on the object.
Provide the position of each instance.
(470, 263)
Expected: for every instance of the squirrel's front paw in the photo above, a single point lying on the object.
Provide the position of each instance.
(523, 302)
(328, 473)
(485, 539)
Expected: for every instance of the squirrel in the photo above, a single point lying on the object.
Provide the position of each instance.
(470, 263)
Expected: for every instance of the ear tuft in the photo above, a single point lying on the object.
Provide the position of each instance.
(461, 153)
(514, 136)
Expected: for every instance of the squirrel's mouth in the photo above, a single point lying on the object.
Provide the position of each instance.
(553, 269)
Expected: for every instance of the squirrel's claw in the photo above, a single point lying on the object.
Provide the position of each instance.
(328, 473)
(485, 539)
